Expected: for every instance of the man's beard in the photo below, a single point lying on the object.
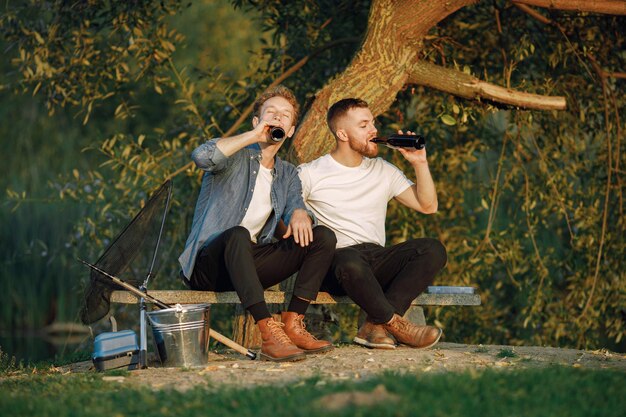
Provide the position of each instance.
(369, 149)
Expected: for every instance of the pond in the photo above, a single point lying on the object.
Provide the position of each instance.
(32, 347)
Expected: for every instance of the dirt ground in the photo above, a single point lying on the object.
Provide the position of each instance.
(351, 362)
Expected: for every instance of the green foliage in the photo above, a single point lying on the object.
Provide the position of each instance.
(38, 274)
(481, 349)
(80, 53)
(8, 363)
(327, 31)
(101, 173)
(506, 353)
(523, 194)
(532, 392)
(530, 202)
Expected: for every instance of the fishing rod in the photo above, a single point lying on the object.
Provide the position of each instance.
(212, 333)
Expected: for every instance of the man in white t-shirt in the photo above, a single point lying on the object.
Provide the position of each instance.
(348, 192)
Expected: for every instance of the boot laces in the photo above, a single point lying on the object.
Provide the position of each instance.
(276, 329)
(301, 327)
(405, 326)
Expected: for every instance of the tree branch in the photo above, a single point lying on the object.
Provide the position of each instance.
(601, 71)
(541, 18)
(469, 87)
(615, 7)
(533, 13)
(605, 211)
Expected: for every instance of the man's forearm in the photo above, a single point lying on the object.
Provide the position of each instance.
(230, 145)
(425, 191)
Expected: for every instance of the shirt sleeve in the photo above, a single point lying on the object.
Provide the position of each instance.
(295, 197)
(398, 182)
(305, 179)
(208, 157)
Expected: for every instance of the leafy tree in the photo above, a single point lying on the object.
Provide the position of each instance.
(521, 109)
(91, 167)
(530, 201)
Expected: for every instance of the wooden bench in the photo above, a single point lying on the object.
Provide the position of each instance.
(244, 329)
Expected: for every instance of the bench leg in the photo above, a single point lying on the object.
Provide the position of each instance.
(245, 331)
(415, 314)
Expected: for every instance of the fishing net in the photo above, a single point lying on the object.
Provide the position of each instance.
(132, 256)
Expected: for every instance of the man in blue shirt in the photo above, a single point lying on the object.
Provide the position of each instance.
(246, 190)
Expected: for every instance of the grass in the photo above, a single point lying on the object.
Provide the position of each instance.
(506, 353)
(9, 364)
(555, 391)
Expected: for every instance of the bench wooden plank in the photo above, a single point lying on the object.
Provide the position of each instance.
(279, 297)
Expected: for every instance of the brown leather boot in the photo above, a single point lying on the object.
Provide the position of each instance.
(295, 330)
(276, 345)
(411, 334)
(374, 336)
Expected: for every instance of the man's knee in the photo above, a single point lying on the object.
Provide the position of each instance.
(351, 271)
(439, 253)
(432, 250)
(324, 237)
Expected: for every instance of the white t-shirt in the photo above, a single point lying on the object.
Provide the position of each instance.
(352, 201)
(260, 206)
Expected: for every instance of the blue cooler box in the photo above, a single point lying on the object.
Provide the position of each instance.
(114, 350)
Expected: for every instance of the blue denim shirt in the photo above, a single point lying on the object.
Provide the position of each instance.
(226, 191)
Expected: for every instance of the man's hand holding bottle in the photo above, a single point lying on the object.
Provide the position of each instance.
(410, 145)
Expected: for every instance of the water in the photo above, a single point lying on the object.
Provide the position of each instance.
(31, 347)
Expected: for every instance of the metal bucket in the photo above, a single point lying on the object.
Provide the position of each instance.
(181, 334)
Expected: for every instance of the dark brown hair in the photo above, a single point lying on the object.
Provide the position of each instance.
(340, 108)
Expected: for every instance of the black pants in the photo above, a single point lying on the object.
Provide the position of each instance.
(384, 281)
(232, 262)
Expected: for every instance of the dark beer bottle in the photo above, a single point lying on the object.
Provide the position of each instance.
(277, 133)
(402, 141)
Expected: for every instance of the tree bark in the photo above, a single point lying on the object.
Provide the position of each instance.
(245, 330)
(615, 7)
(470, 87)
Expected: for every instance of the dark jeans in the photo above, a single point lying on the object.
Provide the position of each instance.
(232, 262)
(384, 281)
